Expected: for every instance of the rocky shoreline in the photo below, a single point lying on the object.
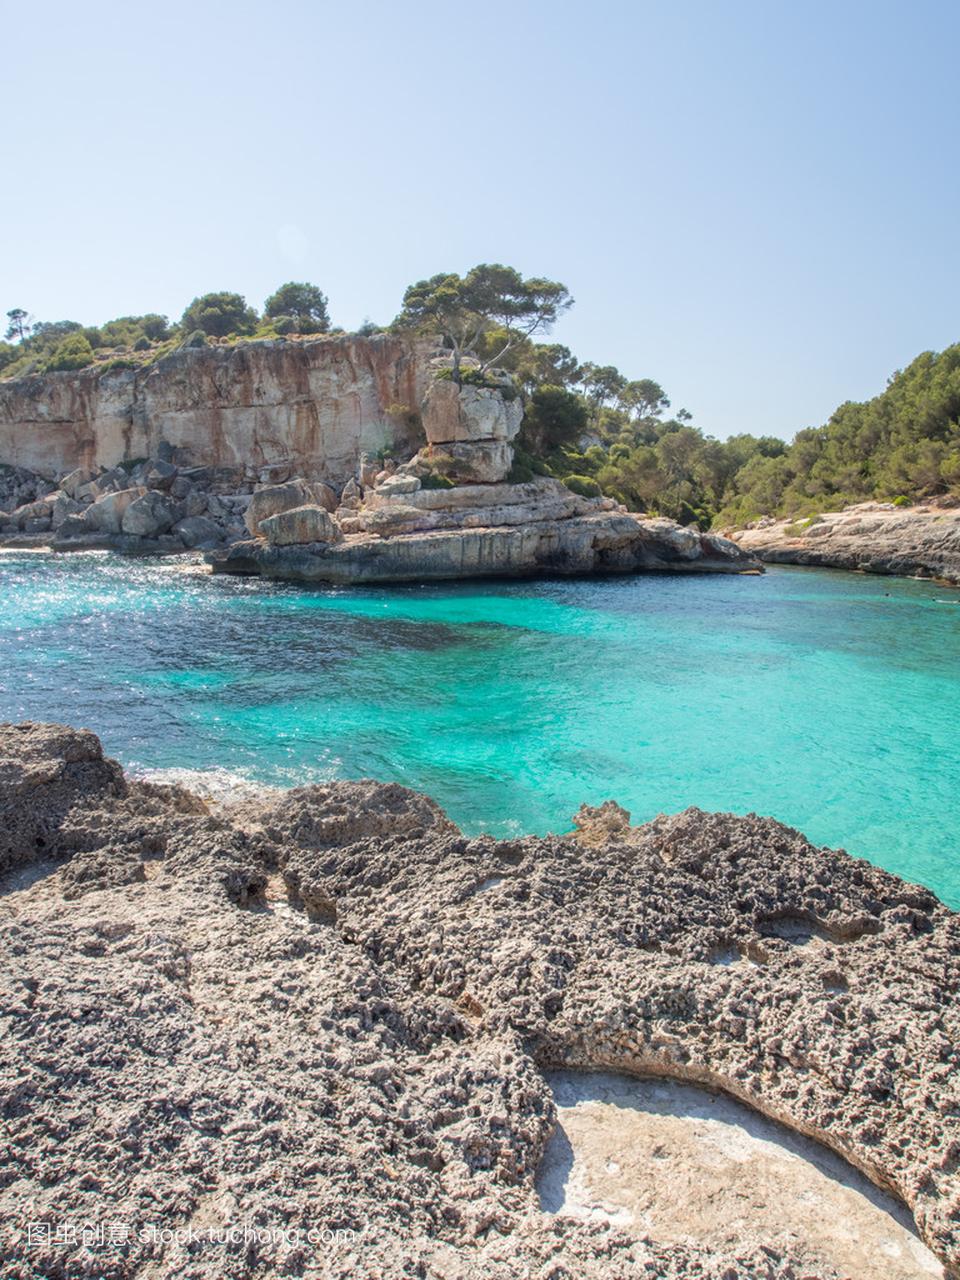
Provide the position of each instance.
(330, 1010)
(451, 511)
(871, 537)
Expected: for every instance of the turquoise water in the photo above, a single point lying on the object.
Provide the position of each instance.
(829, 700)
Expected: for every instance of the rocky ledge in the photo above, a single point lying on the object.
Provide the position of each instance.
(399, 532)
(874, 537)
(331, 1012)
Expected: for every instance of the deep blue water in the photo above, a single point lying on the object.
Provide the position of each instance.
(828, 700)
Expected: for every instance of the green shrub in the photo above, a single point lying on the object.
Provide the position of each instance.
(520, 473)
(196, 339)
(585, 486)
(219, 315)
(901, 501)
(74, 352)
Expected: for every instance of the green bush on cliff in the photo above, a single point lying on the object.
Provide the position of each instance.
(519, 473)
(303, 306)
(219, 315)
(74, 352)
(585, 486)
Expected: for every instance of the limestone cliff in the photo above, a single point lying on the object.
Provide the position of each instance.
(310, 408)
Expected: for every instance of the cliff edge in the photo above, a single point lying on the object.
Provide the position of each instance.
(308, 407)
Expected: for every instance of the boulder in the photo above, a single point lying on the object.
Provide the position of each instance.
(194, 504)
(482, 462)
(351, 495)
(38, 510)
(195, 531)
(73, 527)
(106, 514)
(325, 496)
(393, 486)
(369, 472)
(113, 481)
(159, 475)
(62, 507)
(273, 499)
(276, 473)
(72, 482)
(150, 515)
(451, 413)
(300, 525)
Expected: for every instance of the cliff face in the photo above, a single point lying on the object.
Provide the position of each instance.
(314, 406)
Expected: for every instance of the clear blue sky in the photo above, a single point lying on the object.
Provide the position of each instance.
(754, 203)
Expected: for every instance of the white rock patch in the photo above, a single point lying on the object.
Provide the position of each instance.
(683, 1165)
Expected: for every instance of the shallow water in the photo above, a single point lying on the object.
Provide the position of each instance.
(829, 700)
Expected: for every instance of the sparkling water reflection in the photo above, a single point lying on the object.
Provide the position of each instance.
(831, 701)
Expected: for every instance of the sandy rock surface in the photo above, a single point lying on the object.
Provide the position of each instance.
(329, 1011)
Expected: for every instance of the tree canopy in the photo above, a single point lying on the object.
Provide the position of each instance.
(489, 297)
(587, 422)
(305, 304)
(218, 315)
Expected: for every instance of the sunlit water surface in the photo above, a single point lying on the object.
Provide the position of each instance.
(829, 700)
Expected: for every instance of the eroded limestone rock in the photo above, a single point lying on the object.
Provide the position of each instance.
(874, 537)
(330, 1009)
(300, 525)
(106, 514)
(150, 515)
(273, 499)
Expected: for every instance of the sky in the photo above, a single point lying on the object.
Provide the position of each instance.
(756, 204)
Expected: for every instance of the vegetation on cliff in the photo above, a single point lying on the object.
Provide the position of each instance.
(588, 424)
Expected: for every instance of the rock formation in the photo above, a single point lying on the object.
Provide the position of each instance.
(450, 512)
(152, 508)
(329, 1011)
(875, 537)
(469, 428)
(270, 409)
(479, 531)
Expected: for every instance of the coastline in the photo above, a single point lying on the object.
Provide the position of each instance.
(922, 541)
(345, 950)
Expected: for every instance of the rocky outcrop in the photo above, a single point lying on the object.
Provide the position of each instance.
(478, 531)
(154, 508)
(874, 537)
(300, 525)
(330, 1011)
(469, 428)
(270, 409)
(448, 513)
(270, 500)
